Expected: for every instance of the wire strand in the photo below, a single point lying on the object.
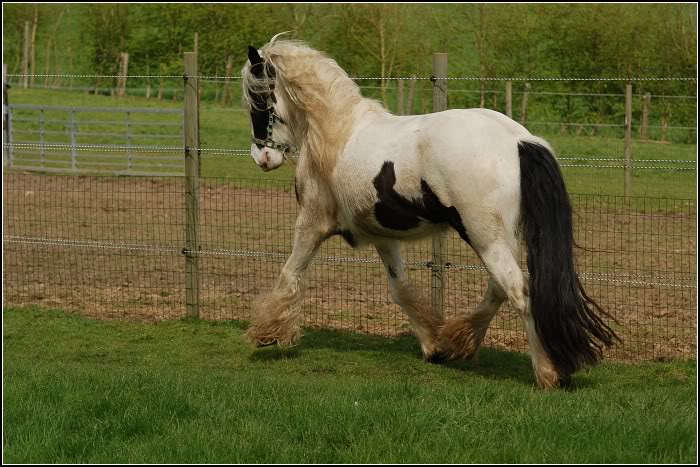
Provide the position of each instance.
(357, 78)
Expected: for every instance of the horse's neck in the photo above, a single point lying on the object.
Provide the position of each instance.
(328, 134)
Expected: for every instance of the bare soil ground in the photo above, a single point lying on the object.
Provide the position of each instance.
(111, 248)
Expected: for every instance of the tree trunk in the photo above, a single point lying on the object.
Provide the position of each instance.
(383, 61)
(25, 57)
(49, 44)
(70, 66)
(32, 53)
(47, 64)
(523, 112)
(57, 70)
(160, 85)
(148, 82)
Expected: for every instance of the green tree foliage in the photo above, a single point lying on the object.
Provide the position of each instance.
(387, 40)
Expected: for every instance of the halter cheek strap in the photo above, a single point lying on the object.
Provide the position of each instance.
(269, 142)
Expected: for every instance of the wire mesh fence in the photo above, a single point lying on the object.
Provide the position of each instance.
(583, 120)
(112, 247)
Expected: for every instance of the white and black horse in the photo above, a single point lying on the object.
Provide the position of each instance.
(377, 178)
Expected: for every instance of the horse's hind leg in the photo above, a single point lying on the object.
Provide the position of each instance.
(424, 320)
(505, 271)
(460, 338)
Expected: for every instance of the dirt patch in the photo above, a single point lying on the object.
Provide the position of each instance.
(111, 248)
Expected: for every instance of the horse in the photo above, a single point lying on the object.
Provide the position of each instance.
(376, 178)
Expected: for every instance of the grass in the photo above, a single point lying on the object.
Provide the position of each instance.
(230, 128)
(83, 391)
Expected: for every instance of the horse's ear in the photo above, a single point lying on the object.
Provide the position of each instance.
(254, 56)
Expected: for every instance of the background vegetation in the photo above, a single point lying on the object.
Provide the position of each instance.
(382, 40)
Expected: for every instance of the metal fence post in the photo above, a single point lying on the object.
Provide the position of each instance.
(439, 250)
(192, 163)
(628, 139)
(73, 142)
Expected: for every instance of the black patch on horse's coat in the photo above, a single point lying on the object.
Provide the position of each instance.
(395, 212)
(568, 322)
(260, 113)
(346, 234)
(260, 119)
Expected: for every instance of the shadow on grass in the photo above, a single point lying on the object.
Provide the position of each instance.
(491, 363)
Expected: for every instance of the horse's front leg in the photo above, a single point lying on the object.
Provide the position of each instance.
(277, 315)
(425, 322)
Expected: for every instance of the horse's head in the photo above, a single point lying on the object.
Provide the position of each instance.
(271, 139)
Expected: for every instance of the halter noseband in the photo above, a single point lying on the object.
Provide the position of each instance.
(268, 141)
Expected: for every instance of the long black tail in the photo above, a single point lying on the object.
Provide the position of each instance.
(568, 321)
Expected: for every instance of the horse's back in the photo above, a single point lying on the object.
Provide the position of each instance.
(397, 170)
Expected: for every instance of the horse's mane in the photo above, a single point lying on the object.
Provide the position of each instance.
(322, 98)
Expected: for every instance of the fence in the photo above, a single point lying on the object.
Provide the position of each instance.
(121, 139)
(124, 247)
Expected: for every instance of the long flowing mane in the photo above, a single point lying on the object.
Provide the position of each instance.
(322, 102)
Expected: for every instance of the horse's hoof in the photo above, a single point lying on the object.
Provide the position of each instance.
(565, 381)
(436, 357)
(260, 345)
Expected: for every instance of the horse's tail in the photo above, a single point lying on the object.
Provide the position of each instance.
(568, 321)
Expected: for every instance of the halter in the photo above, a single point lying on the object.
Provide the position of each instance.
(269, 142)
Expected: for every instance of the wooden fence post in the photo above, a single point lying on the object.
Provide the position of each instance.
(437, 279)
(628, 138)
(523, 112)
(644, 129)
(6, 122)
(399, 106)
(411, 95)
(124, 74)
(192, 170)
(509, 99)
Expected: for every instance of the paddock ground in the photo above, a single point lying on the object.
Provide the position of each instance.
(120, 241)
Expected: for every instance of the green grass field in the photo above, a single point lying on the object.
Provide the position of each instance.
(229, 128)
(84, 391)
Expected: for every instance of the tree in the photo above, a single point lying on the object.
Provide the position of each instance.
(376, 29)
